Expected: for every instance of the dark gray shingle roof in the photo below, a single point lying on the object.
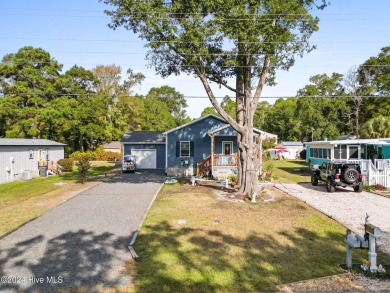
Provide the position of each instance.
(144, 137)
(28, 142)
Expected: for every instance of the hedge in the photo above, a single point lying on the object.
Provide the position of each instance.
(97, 155)
(67, 164)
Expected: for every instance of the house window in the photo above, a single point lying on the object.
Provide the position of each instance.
(47, 155)
(31, 154)
(184, 149)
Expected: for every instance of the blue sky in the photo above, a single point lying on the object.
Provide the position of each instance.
(76, 32)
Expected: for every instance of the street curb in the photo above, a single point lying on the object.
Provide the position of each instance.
(136, 232)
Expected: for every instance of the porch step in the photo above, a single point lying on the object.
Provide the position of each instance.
(204, 167)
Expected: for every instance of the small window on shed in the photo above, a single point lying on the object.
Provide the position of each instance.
(31, 154)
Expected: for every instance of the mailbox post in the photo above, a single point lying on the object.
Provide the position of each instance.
(368, 241)
(351, 242)
(373, 232)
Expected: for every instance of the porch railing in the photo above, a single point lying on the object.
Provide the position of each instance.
(225, 160)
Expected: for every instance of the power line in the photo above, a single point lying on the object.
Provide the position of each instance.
(173, 42)
(187, 97)
(231, 54)
(199, 65)
(170, 18)
(195, 13)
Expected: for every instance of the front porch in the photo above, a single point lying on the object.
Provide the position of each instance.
(217, 165)
(223, 160)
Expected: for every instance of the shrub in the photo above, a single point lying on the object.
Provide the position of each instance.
(83, 165)
(233, 179)
(67, 164)
(380, 187)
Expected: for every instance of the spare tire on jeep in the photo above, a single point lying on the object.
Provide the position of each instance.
(351, 175)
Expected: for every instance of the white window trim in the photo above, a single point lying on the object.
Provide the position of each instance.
(189, 149)
(31, 154)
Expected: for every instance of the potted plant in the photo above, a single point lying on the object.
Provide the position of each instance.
(232, 180)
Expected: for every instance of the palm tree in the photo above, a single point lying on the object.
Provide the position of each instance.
(377, 127)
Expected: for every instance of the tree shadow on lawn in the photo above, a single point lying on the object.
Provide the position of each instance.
(211, 261)
(75, 260)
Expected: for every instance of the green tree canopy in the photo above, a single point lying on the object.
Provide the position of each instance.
(174, 100)
(321, 107)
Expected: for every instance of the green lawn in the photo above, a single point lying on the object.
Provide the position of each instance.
(294, 171)
(234, 247)
(20, 201)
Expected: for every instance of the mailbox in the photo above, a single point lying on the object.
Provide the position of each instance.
(368, 241)
(373, 230)
(356, 241)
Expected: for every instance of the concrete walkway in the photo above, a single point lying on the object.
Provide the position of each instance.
(82, 242)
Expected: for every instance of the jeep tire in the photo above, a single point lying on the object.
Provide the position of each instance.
(329, 186)
(314, 179)
(358, 188)
(351, 175)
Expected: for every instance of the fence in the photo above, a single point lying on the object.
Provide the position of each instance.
(376, 173)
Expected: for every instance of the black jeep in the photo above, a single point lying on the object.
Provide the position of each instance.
(338, 174)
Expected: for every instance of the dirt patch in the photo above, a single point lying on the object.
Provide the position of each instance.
(345, 282)
(337, 283)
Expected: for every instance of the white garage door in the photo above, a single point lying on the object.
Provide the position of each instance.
(145, 159)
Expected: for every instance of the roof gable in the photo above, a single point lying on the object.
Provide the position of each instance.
(195, 121)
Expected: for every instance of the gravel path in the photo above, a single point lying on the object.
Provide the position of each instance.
(82, 242)
(347, 207)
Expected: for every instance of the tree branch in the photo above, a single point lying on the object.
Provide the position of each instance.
(263, 77)
(219, 81)
(215, 103)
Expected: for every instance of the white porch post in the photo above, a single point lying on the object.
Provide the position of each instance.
(212, 154)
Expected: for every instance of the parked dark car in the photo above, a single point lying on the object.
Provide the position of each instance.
(338, 174)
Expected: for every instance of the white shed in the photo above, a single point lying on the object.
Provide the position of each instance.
(286, 149)
(21, 157)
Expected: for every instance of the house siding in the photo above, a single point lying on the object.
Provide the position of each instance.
(196, 133)
(22, 161)
(160, 152)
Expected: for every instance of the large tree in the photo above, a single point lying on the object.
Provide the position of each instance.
(236, 44)
(116, 90)
(174, 100)
(375, 73)
(321, 106)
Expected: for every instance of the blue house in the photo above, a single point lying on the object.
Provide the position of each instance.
(207, 145)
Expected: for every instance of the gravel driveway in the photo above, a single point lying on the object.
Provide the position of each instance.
(347, 207)
(82, 242)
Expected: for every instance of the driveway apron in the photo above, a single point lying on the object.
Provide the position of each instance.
(82, 242)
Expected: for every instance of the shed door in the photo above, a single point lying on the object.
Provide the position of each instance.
(145, 159)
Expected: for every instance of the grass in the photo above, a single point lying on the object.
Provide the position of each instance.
(254, 247)
(294, 171)
(21, 201)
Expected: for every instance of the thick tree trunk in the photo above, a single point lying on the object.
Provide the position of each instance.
(248, 146)
(249, 185)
